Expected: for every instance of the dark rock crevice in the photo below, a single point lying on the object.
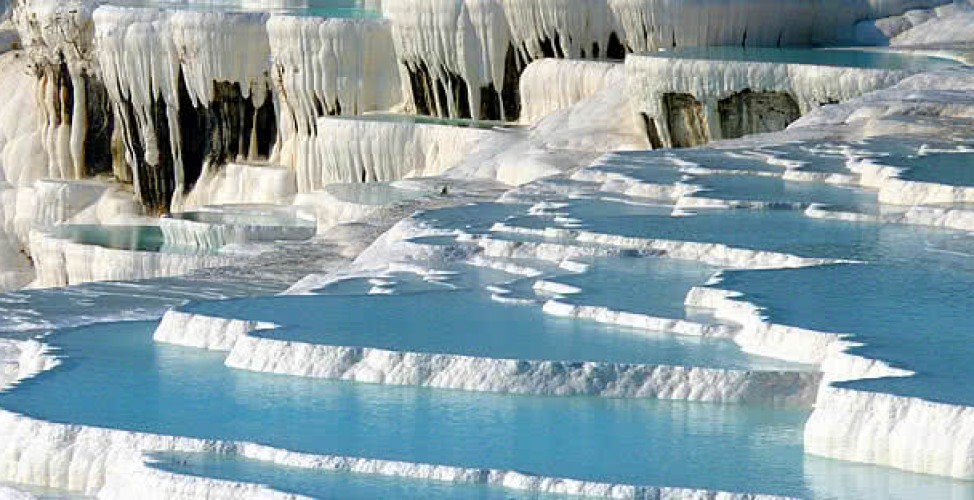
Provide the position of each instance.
(99, 129)
(615, 50)
(652, 131)
(154, 181)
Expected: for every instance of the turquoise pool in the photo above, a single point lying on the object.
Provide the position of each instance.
(142, 386)
(846, 58)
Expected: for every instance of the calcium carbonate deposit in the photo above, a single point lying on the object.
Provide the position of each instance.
(487, 249)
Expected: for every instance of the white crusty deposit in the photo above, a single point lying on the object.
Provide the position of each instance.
(471, 373)
(479, 43)
(566, 243)
(237, 183)
(62, 262)
(377, 149)
(896, 431)
(203, 332)
(651, 77)
(323, 66)
(549, 85)
(21, 359)
(851, 424)
(558, 378)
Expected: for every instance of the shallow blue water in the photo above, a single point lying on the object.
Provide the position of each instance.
(851, 58)
(50, 308)
(716, 159)
(776, 190)
(954, 169)
(323, 484)
(473, 218)
(147, 238)
(831, 157)
(916, 315)
(180, 391)
(910, 302)
(585, 208)
(120, 237)
(171, 390)
(655, 173)
(777, 230)
(786, 231)
(644, 285)
(826, 479)
(467, 322)
(810, 157)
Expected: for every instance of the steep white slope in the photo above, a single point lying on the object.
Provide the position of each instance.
(22, 156)
(8, 493)
(21, 359)
(329, 210)
(236, 183)
(944, 93)
(322, 66)
(652, 24)
(15, 268)
(944, 25)
(457, 56)
(549, 85)
(601, 122)
(369, 150)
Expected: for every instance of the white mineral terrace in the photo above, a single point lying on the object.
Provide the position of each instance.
(377, 162)
(110, 463)
(652, 78)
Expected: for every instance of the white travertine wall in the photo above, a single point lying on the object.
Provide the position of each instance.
(550, 85)
(237, 183)
(649, 78)
(60, 262)
(449, 42)
(367, 150)
(322, 66)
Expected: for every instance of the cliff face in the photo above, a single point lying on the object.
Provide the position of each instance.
(153, 96)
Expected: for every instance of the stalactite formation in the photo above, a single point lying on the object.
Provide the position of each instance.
(153, 96)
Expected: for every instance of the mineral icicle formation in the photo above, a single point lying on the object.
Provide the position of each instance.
(152, 96)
